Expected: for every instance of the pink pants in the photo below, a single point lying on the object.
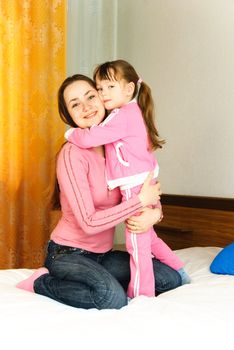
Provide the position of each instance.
(141, 247)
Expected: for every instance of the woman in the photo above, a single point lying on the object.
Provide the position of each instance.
(81, 268)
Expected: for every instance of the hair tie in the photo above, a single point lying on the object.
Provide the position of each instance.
(139, 81)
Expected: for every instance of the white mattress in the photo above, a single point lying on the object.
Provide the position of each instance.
(196, 315)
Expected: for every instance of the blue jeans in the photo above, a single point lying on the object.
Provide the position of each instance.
(91, 280)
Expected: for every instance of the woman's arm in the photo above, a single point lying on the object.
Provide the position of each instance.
(142, 223)
(74, 185)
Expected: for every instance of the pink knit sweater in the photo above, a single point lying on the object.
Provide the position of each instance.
(90, 211)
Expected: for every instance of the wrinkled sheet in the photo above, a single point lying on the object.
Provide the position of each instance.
(197, 315)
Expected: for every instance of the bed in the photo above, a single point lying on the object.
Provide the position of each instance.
(197, 315)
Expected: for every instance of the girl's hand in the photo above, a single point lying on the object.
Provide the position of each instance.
(150, 194)
(143, 222)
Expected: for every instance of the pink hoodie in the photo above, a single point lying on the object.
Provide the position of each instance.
(128, 159)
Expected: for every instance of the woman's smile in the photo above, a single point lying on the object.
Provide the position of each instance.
(91, 115)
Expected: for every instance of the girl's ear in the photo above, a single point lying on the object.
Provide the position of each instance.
(130, 89)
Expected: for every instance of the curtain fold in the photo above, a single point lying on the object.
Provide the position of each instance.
(32, 66)
(86, 47)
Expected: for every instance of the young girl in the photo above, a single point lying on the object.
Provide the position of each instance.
(130, 137)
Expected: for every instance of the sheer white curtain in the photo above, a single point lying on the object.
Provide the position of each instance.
(92, 39)
(92, 34)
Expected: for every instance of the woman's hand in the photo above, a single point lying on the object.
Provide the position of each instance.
(144, 221)
(150, 194)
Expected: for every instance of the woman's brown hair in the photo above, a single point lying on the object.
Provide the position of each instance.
(66, 118)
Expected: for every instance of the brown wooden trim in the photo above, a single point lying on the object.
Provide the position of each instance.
(172, 229)
(216, 203)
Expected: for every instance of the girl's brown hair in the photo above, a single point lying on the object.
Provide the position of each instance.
(120, 69)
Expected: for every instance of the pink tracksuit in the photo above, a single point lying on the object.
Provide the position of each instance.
(128, 162)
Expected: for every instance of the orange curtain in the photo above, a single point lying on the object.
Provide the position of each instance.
(32, 66)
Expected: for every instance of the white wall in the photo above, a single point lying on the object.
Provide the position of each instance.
(184, 49)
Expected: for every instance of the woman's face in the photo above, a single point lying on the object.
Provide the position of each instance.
(83, 104)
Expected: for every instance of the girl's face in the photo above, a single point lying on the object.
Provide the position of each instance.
(114, 93)
(83, 104)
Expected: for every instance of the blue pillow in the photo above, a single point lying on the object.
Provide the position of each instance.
(223, 263)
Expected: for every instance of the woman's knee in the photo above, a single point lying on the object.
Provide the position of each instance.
(104, 290)
(109, 295)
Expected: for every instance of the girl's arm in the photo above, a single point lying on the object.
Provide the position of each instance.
(72, 176)
(112, 129)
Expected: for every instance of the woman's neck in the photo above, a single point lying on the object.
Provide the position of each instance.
(100, 150)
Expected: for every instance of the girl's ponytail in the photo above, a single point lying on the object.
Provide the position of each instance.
(146, 104)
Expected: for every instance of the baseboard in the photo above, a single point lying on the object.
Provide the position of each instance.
(215, 203)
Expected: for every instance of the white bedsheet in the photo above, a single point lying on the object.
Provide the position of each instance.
(198, 315)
